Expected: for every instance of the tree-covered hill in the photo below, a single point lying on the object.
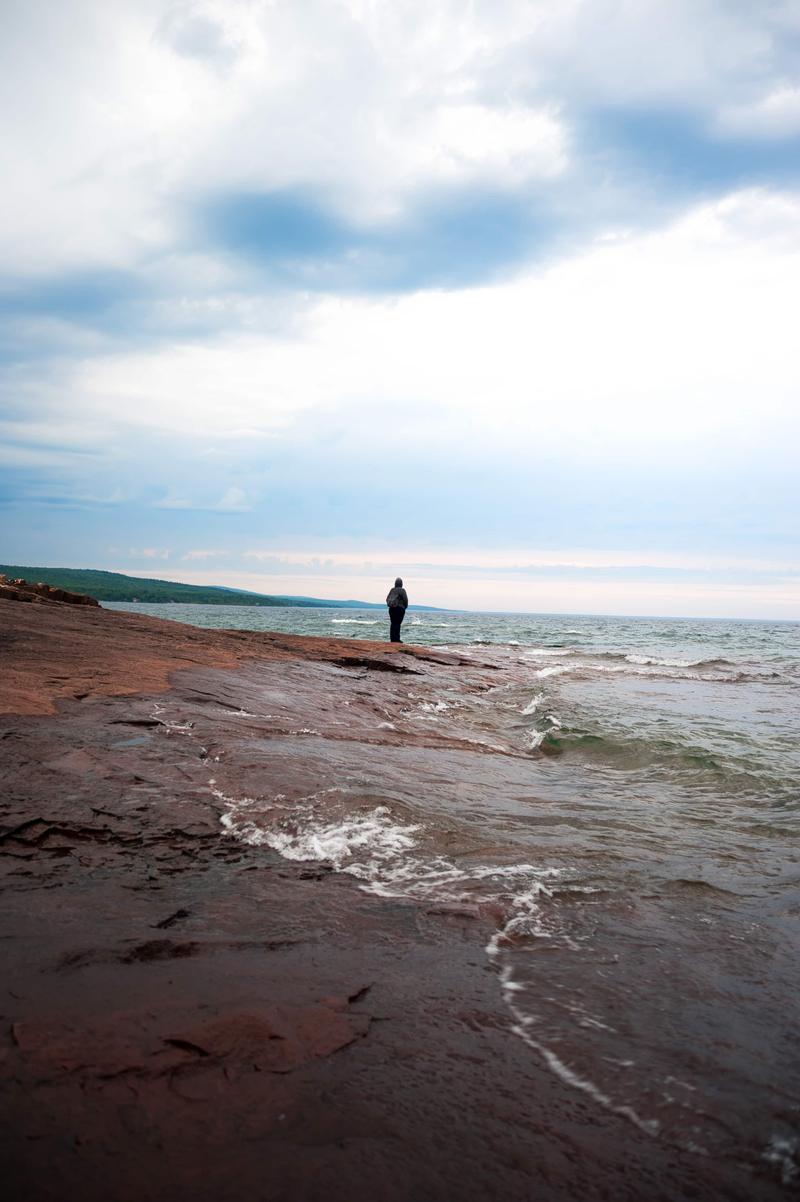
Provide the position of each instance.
(114, 586)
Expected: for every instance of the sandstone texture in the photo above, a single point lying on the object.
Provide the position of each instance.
(75, 654)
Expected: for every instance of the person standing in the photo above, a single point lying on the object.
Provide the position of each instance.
(397, 600)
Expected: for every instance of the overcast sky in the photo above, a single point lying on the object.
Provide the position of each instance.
(500, 295)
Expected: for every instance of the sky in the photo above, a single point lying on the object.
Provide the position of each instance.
(497, 295)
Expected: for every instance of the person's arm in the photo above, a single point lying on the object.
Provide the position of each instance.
(404, 597)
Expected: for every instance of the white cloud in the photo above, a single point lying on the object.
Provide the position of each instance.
(233, 500)
(776, 115)
(681, 338)
(119, 111)
(173, 500)
(426, 560)
(121, 108)
(148, 553)
(696, 54)
(37, 457)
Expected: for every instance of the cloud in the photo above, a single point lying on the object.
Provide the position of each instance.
(690, 55)
(378, 116)
(429, 560)
(148, 553)
(233, 500)
(191, 32)
(446, 239)
(775, 115)
(638, 338)
(513, 142)
(173, 501)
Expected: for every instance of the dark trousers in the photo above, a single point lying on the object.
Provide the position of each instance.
(396, 615)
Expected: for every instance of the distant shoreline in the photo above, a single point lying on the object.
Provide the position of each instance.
(133, 590)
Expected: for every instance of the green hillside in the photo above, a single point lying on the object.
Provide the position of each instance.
(113, 586)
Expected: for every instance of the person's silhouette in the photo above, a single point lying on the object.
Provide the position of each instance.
(397, 600)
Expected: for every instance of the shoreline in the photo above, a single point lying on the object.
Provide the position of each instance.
(187, 1012)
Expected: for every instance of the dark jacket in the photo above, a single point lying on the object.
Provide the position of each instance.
(397, 598)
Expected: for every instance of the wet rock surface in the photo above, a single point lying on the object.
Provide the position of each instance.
(185, 1015)
(79, 654)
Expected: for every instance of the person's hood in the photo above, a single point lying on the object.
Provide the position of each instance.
(398, 582)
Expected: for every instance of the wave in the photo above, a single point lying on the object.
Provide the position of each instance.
(540, 651)
(338, 842)
(690, 884)
(382, 850)
(553, 670)
(651, 668)
(635, 752)
(677, 759)
(355, 621)
(658, 661)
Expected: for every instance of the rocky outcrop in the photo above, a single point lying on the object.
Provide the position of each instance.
(22, 590)
(54, 652)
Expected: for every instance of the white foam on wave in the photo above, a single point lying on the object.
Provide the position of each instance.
(536, 737)
(355, 621)
(553, 670)
(356, 843)
(660, 662)
(537, 652)
(533, 704)
(379, 849)
(654, 671)
(384, 854)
